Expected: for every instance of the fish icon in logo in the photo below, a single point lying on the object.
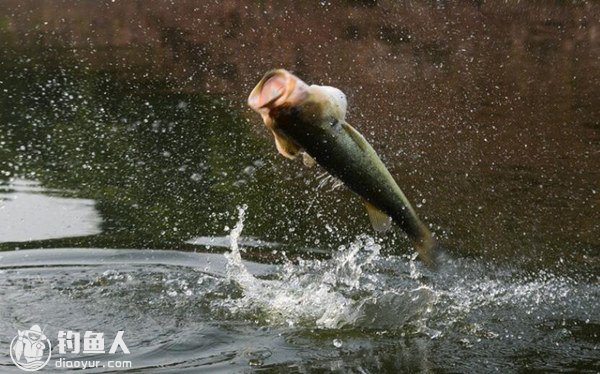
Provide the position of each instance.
(30, 349)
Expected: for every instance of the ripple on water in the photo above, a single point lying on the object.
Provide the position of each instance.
(358, 309)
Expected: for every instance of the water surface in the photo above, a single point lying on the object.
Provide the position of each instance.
(357, 311)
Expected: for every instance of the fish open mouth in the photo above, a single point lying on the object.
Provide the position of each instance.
(276, 88)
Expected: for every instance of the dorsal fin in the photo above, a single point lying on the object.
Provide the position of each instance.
(285, 146)
(380, 221)
(356, 136)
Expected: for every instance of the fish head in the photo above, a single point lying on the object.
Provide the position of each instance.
(279, 90)
(332, 99)
(276, 90)
(297, 114)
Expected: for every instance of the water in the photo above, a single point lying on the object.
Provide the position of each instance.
(356, 311)
(138, 194)
(63, 218)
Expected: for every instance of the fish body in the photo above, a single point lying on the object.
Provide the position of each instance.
(311, 119)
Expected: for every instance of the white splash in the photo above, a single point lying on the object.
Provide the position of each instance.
(329, 294)
(236, 270)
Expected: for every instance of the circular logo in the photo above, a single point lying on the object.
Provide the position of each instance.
(30, 350)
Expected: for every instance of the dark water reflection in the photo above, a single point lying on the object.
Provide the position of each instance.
(163, 167)
(488, 114)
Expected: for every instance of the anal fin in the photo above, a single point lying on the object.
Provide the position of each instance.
(308, 161)
(380, 221)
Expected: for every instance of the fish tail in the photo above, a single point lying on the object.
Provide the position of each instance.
(430, 252)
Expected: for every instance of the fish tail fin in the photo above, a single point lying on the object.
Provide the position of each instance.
(431, 252)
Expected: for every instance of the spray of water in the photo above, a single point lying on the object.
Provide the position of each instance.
(236, 271)
(344, 290)
(358, 288)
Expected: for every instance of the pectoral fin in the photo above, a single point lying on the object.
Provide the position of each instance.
(380, 221)
(356, 136)
(285, 146)
(307, 160)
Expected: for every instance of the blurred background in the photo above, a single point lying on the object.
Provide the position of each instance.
(487, 114)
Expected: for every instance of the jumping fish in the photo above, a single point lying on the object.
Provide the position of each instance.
(310, 121)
